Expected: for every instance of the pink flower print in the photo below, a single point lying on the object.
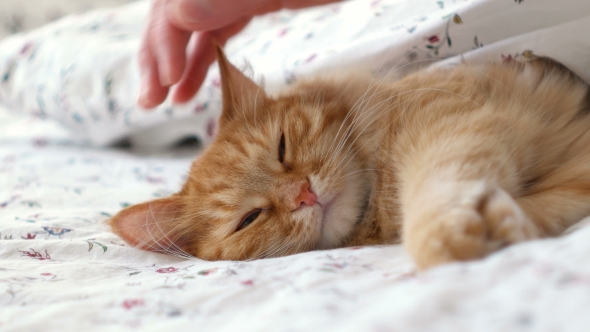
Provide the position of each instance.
(46, 274)
(310, 58)
(29, 236)
(132, 303)
(167, 270)
(337, 265)
(216, 82)
(11, 200)
(35, 255)
(201, 107)
(407, 275)
(283, 32)
(433, 39)
(26, 48)
(247, 283)
(207, 272)
(39, 142)
(151, 179)
(211, 128)
(507, 59)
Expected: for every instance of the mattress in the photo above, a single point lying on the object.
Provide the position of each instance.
(62, 269)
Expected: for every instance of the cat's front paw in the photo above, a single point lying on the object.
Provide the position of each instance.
(470, 224)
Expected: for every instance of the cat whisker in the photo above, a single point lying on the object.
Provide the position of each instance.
(381, 111)
(363, 98)
(172, 243)
(156, 245)
(256, 105)
(272, 250)
(162, 248)
(349, 130)
(352, 111)
(357, 171)
(411, 91)
(392, 70)
(159, 248)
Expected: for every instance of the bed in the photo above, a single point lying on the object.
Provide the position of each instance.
(62, 269)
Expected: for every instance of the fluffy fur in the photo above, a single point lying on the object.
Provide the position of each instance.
(455, 162)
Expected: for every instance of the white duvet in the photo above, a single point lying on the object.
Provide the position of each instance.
(62, 270)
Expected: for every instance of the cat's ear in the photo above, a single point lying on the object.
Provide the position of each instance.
(241, 95)
(150, 225)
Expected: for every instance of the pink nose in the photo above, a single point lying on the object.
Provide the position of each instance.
(306, 197)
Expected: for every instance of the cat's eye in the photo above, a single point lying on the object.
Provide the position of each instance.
(282, 148)
(249, 218)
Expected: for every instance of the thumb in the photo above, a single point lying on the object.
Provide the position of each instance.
(203, 15)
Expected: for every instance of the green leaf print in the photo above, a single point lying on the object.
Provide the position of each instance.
(104, 248)
(92, 243)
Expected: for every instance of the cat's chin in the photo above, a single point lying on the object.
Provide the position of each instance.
(327, 209)
(341, 206)
(338, 217)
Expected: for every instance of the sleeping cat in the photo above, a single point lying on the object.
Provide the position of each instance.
(454, 163)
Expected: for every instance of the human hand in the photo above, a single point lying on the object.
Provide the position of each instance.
(166, 58)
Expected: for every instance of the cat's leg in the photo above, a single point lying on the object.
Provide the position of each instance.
(456, 204)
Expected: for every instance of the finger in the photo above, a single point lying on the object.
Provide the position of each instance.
(207, 15)
(298, 4)
(202, 55)
(151, 92)
(168, 45)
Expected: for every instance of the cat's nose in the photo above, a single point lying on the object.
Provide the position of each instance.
(306, 197)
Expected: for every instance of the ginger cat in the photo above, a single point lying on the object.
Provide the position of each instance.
(456, 163)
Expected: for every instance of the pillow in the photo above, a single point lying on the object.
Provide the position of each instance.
(82, 70)
(17, 16)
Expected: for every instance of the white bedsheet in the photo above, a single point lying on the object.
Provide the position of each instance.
(62, 270)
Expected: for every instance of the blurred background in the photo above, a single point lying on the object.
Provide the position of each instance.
(17, 16)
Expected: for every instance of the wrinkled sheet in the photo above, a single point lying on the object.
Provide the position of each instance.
(61, 269)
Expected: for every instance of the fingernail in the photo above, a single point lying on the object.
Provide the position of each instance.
(143, 95)
(174, 95)
(165, 72)
(190, 11)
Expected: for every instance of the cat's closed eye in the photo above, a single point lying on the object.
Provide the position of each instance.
(249, 218)
(282, 148)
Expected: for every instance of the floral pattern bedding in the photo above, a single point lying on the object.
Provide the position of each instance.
(62, 269)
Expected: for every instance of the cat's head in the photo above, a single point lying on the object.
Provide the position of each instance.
(285, 174)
